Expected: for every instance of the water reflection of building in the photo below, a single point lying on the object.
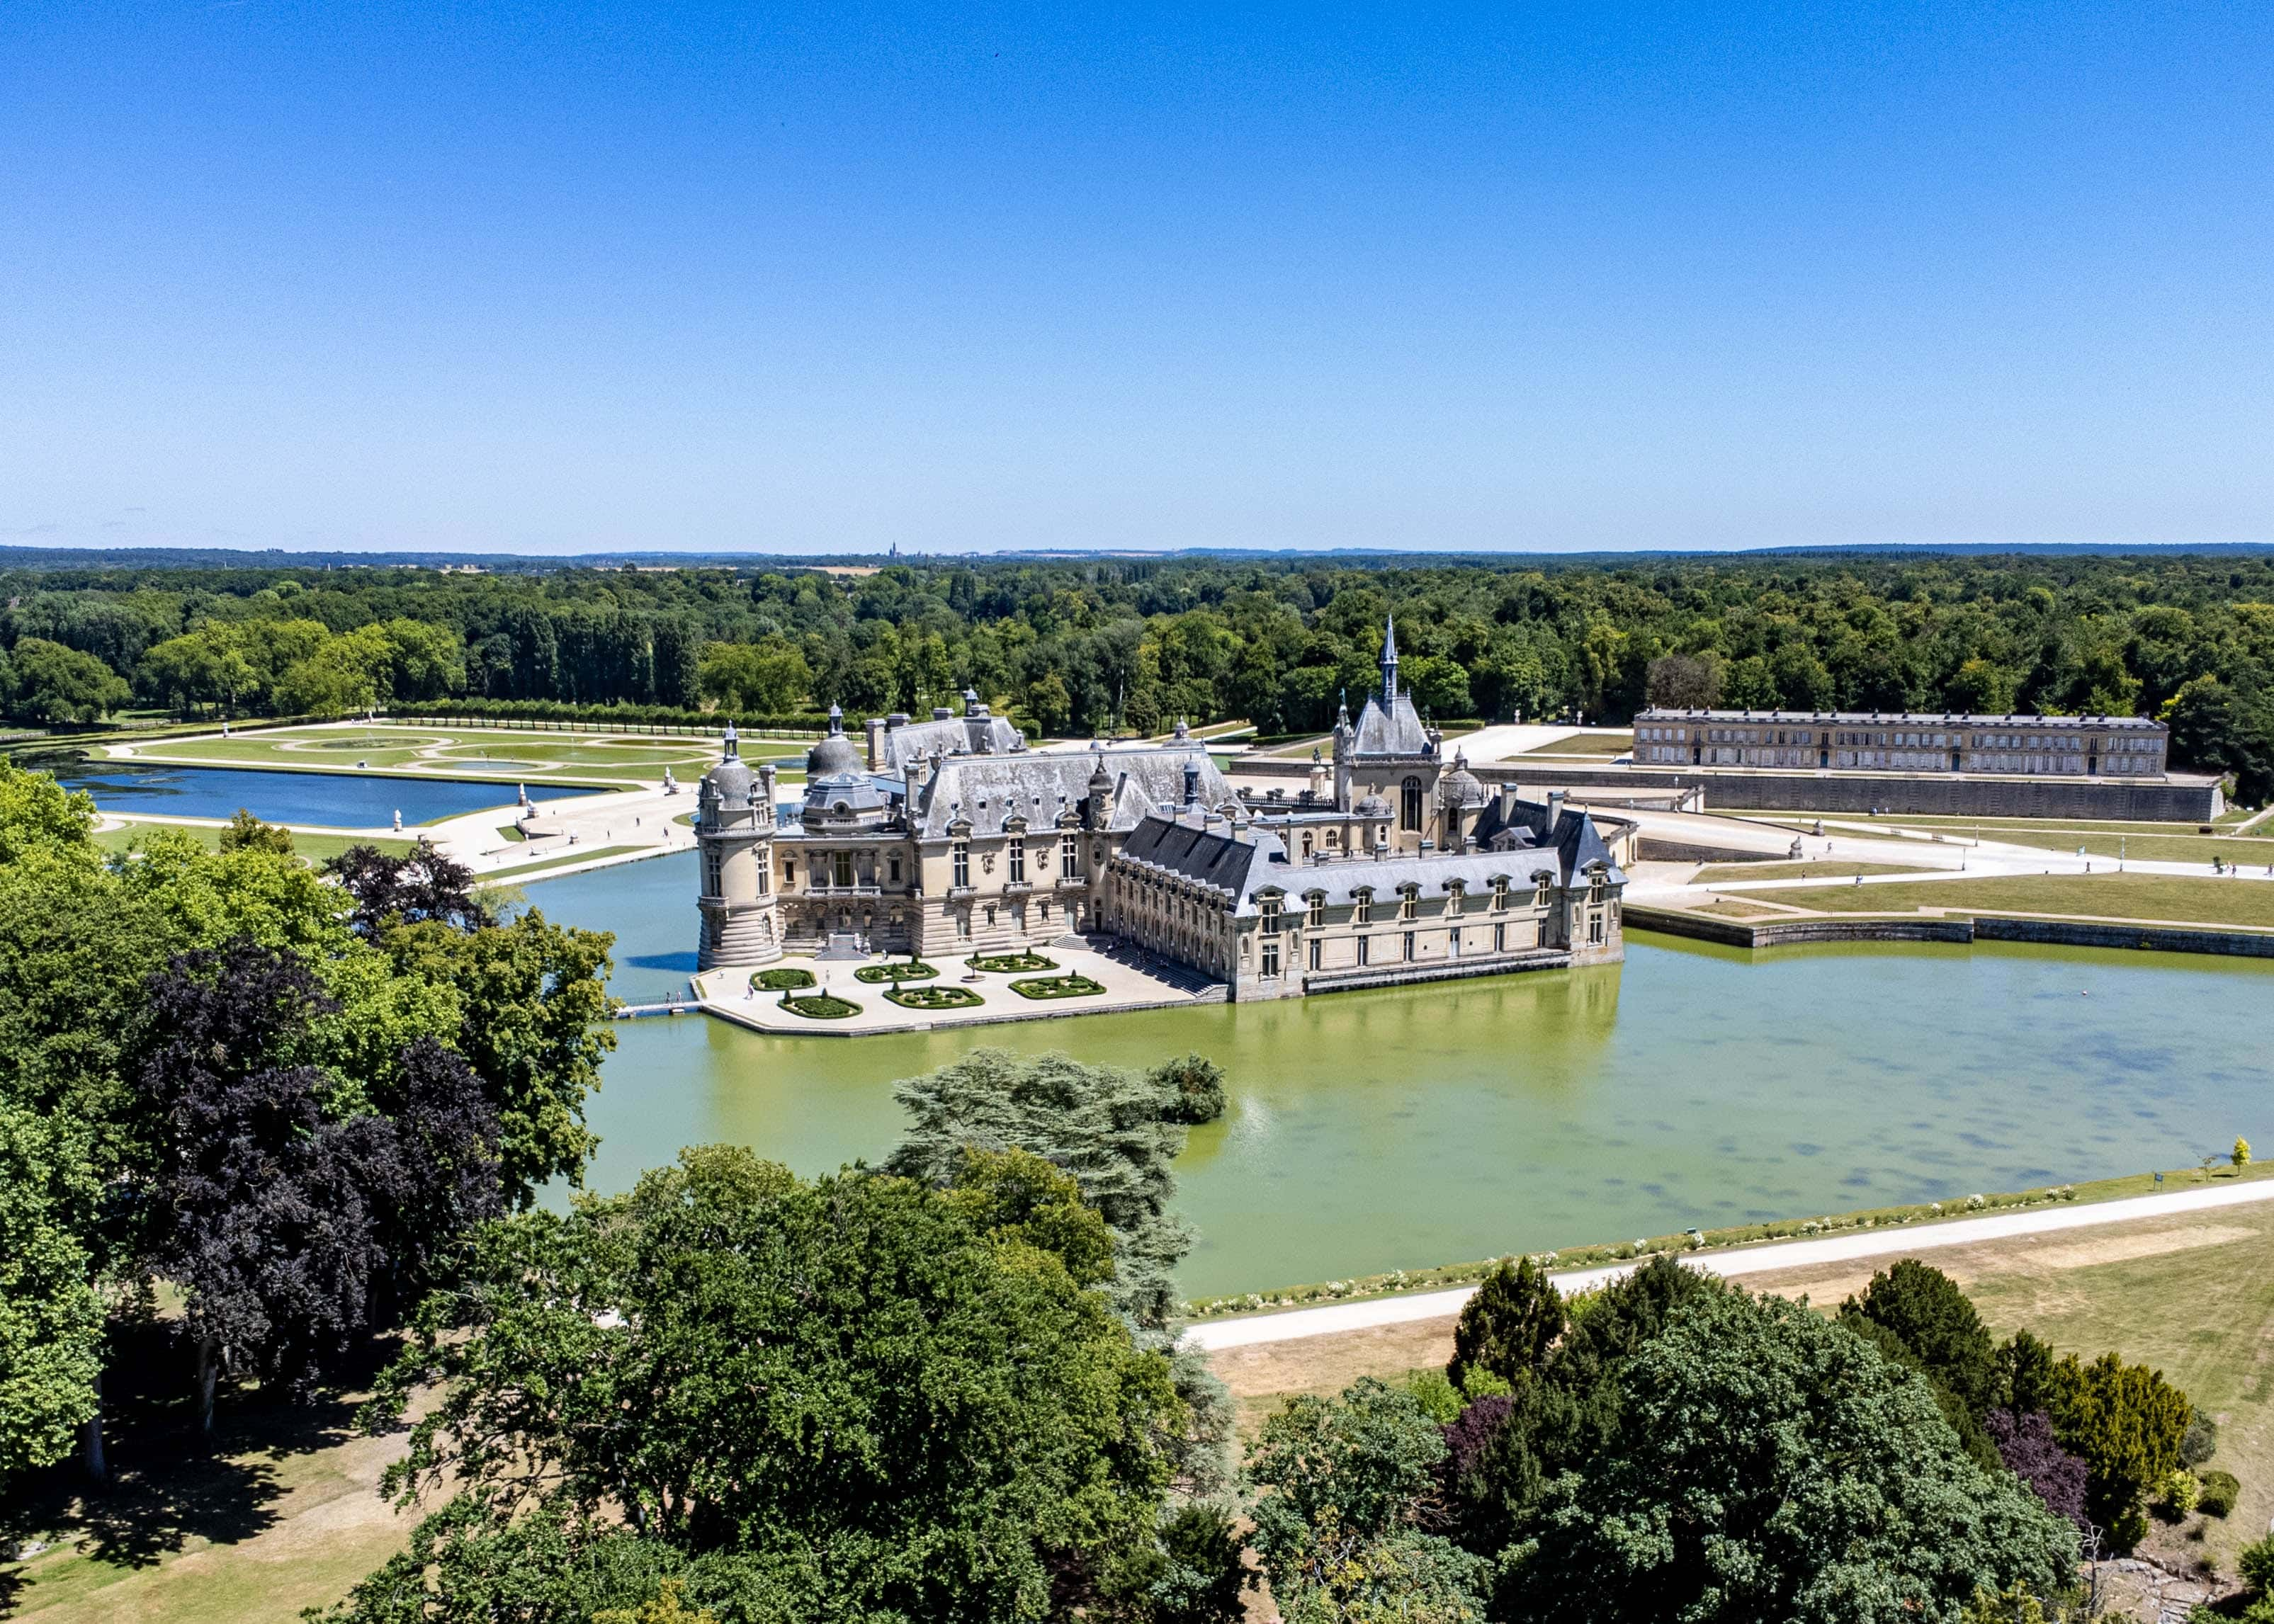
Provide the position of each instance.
(951, 836)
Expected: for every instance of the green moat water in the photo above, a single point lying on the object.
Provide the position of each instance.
(1693, 1085)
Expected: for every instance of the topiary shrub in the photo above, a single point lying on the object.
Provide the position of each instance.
(1012, 964)
(2176, 1495)
(933, 998)
(821, 1006)
(914, 970)
(2220, 1489)
(1068, 986)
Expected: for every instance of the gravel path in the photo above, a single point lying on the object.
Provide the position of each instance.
(1905, 1239)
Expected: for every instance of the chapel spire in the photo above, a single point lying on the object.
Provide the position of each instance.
(1388, 661)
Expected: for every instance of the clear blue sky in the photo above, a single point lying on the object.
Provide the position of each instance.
(554, 278)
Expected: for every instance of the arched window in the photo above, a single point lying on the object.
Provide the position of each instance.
(1409, 807)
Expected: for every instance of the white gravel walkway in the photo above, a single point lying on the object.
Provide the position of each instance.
(1905, 1239)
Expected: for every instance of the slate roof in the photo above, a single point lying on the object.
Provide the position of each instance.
(1397, 731)
(1240, 866)
(1037, 785)
(953, 736)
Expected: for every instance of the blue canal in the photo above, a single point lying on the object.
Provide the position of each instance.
(334, 799)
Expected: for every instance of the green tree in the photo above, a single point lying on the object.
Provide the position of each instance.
(846, 1382)
(51, 1319)
(2128, 1422)
(1507, 1328)
(1769, 1464)
(247, 833)
(52, 684)
(1344, 1491)
(1926, 1311)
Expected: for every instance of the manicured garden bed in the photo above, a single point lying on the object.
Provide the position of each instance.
(915, 970)
(1012, 964)
(781, 981)
(933, 998)
(1067, 986)
(821, 1006)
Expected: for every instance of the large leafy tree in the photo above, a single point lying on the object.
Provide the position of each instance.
(51, 1319)
(852, 1391)
(287, 1228)
(1768, 1464)
(420, 885)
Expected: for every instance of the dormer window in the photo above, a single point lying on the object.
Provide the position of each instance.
(1596, 884)
(1544, 881)
(1362, 908)
(1318, 918)
(1405, 903)
(1500, 893)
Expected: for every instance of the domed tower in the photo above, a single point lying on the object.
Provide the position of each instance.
(735, 837)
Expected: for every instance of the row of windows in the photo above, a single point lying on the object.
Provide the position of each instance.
(1900, 738)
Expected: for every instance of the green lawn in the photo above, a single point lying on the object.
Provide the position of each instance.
(1727, 874)
(315, 848)
(582, 855)
(1604, 745)
(2204, 1316)
(2150, 842)
(2106, 896)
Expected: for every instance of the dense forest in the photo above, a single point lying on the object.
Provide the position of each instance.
(1088, 645)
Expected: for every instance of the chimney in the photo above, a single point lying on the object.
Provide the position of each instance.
(766, 795)
(1507, 799)
(875, 742)
(1554, 809)
(1191, 782)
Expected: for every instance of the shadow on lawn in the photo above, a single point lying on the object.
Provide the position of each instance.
(169, 1485)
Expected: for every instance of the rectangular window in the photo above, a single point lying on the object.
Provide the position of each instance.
(1315, 953)
(1456, 942)
(896, 871)
(1017, 862)
(1318, 911)
(1271, 955)
(963, 923)
(1595, 930)
(1069, 857)
(1409, 947)
(711, 865)
(1362, 910)
(1500, 938)
(1541, 899)
(1405, 905)
(960, 857)
(789, 874)
(1364, 943)
(1269, 911)
(842, 867)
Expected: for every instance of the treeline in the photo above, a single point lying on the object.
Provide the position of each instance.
(1115, 644)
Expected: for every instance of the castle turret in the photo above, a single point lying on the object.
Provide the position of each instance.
(734, 837)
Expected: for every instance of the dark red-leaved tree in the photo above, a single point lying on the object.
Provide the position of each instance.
(2025, 1443)
(422, 886)
(285, 1229)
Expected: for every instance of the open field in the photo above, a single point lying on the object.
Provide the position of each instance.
(591, 756)
(2192, 1294)
(1724, 874)
(2098, 896)
(1599, 745)
(315, 848)
(2149, 842)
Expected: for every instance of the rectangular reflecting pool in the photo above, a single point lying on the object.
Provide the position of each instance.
(332, 799)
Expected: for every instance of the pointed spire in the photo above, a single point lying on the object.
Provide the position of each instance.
(1388, 660)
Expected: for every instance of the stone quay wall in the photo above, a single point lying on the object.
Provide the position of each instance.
(2151, 938)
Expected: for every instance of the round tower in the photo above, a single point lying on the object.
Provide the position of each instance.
(734, 841)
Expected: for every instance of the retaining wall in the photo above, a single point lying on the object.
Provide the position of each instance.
(1981, 928)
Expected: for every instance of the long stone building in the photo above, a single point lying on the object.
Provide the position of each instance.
(951, 836)
(2118, 746)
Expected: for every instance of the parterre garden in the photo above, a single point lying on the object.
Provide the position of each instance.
(1070, 985)
(1011, 964)
(934, 997)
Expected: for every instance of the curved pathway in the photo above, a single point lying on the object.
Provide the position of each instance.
(1736, 1262)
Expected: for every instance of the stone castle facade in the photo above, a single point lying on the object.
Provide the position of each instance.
(953, 836)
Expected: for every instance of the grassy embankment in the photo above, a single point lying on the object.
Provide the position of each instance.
(1601, 746)
(315, 848)
(1725, 874)
(2145, 897)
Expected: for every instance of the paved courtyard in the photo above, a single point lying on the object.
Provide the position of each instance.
(1130, 982)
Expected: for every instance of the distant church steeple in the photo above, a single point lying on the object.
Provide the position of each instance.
(1388, 661)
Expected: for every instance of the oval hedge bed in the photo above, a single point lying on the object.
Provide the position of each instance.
(781, 981)
(915, 971)
(1068, 986)
(933, 998)
(1012, 964)
(821, 1006)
